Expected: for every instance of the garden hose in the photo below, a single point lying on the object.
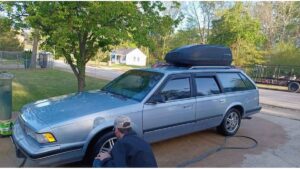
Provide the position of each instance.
(23, 162)
(217, 149)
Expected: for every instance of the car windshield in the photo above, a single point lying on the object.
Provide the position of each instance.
(134, 84)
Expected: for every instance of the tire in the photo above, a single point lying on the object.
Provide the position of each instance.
(294, 87)
(231, 123)
(102, 144)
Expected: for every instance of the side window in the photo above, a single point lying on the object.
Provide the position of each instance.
(176, 89)
(231, 82)
(206, 86)
(248, 83)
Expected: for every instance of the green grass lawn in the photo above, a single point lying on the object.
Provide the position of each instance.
(32, 85)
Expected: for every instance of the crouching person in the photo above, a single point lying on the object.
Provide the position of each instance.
(129, 151)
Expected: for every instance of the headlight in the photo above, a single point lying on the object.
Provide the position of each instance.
(45, 138)
(41, 137)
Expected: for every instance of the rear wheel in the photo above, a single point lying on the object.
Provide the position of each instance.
(294, 87)
(104, 144)
(231, 123)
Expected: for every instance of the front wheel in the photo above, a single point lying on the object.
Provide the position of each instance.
(231, 123)
(104, 144)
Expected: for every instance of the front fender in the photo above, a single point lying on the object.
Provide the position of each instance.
(97, 127)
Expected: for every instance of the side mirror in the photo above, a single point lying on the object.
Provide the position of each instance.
(157, 99)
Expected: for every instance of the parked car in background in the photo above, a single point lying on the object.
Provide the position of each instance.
(163, 103)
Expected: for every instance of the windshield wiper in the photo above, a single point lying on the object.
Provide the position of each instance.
(116, 95)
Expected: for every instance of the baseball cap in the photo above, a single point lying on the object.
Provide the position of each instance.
(122, 122)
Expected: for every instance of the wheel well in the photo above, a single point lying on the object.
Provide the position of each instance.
(96, 137)
(239, 108)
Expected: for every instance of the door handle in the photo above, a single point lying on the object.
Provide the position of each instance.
(222, 100)
(187, 106)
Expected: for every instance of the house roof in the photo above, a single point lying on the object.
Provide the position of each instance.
(123, 51)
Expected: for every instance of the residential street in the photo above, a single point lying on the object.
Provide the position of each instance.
(106, 74)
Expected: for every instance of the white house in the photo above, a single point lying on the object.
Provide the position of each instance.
(131, 56)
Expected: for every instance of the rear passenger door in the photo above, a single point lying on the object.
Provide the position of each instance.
(210, 102)
(176, 115)
(239, 90)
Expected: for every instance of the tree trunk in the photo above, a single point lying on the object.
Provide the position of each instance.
(81, 79)
(34, 48)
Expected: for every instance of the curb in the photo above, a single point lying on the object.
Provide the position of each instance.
(281, 107)
(274, 89)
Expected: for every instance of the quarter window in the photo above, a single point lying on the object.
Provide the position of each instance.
(177, 89)
(206, 86)
(231, 82)
(247, 82)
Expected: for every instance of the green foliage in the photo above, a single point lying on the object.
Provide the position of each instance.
(285, 54)
(8, 39)
(239, 31)
(159, 27)
(16, 12)
(184, 37)
(78, 29)
(5, 25)
(245, 53)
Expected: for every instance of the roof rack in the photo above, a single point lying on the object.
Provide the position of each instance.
(211, 67)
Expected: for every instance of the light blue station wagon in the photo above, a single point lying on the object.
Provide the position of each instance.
(162, 102)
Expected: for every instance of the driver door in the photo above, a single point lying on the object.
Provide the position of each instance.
(175, 115)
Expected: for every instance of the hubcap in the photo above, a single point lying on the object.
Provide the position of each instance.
(294, 87)
(232, 122)
(108, 144)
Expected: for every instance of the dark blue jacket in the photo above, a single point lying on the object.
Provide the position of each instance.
(131, 151)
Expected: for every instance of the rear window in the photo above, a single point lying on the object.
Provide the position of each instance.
(231, 82)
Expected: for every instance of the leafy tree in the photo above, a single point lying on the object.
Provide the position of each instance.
(280, 21)
(8, 39)
(199, 16)
(285, 54)
(184, 37)
(239, 31)
(10, 42)
(79, 29)
(17, 13)
(161, 28)
(5, 25)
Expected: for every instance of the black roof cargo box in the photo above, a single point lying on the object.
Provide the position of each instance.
(200, 55)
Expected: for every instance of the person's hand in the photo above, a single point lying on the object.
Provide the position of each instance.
(103, 155)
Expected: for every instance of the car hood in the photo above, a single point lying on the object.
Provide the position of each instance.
(54, 110)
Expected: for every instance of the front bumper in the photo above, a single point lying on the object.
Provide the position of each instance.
(50, 155)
